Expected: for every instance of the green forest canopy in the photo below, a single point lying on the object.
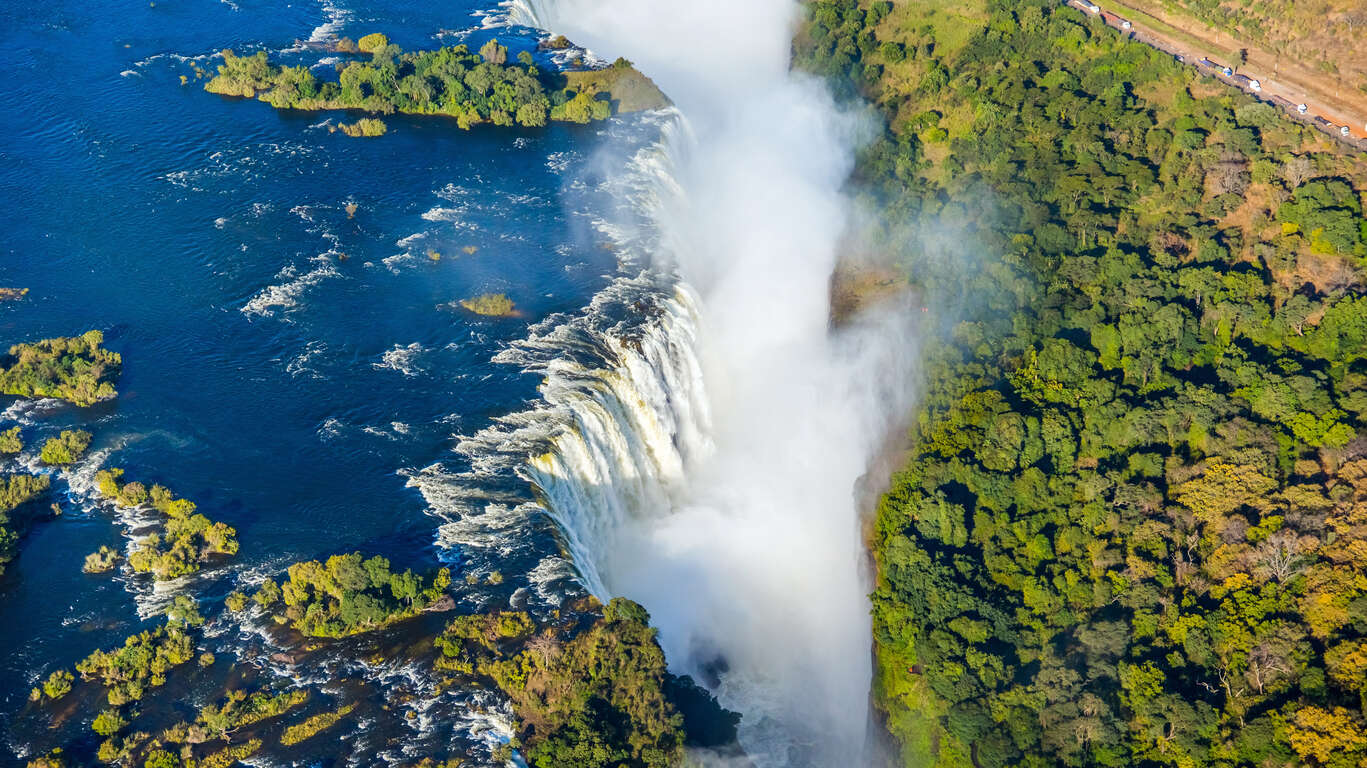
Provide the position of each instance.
(1133, 529)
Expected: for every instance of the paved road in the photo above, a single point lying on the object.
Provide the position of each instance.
(1325, 117)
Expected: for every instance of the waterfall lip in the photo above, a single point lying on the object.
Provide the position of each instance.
(591, 363)
(596, 481)
(747, 207)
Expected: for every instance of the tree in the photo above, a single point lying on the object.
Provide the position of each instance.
(372, 42)
(10, 443)
(494, 53)
(1327, 737)
(67, 448)
(108, 722)
(58, 684)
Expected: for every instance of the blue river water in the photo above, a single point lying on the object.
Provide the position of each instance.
(290, 352)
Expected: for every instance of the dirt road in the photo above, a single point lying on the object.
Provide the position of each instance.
(1287, 89)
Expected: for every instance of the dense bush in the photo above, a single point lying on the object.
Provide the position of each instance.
(102, 560)
(187, 539)
(10, 442)
(473, 88)
(349, 594)
(314, 725)
(240, 709)
(145, 658)
(365, 127)
(1129, 530)
(491, 304)
(67, 448)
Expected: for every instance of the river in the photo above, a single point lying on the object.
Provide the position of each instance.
(668, 418)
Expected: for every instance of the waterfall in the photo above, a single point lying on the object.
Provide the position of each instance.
(632, 429)
(700, 430)
(527, 13)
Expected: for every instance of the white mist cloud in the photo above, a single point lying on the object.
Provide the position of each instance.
(759, 560)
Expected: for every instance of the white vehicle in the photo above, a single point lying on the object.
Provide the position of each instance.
(1255, 85)
(1091, 7)
(1343, 129)
(1125, 25)
(1302, 108)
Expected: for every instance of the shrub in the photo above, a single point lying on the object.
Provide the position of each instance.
(367, 127)
(471, 87)
(594, 696)
(240, 709)
(372, 42)
(235, 601)
(314, 725)
(349, 594)
(230, 756)
(188, 539)
(15, 491)
(142, 662)
(102, 560)
(494, 53)
(58, 684)
(52, 759)
(491, 304)
(108, 722)
(160, 758)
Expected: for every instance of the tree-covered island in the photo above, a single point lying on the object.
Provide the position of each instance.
(347, 595)
(75, 369)
(473, 88)
(187, 540)
(66, 448)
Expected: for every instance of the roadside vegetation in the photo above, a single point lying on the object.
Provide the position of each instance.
(1325, 37)
(1131, 528)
